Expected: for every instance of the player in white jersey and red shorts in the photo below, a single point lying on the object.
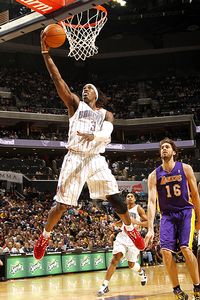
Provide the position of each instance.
(90, 128)
(123, 247)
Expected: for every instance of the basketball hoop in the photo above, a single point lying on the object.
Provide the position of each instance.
(82, 30)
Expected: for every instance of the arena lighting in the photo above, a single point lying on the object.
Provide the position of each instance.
(121, 2)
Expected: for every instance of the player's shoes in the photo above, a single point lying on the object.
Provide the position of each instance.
(103, 290)
(40, 247)
(136, 238)
(180, 295)
(196, 296)
(143, 277)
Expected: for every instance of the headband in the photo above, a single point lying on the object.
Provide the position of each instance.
(95, 90)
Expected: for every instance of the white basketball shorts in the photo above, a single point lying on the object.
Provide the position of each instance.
(77, 169)
(129, 252)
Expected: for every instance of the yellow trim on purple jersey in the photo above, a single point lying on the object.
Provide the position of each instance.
(192, 229)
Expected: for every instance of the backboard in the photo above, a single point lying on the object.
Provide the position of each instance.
(43, 12)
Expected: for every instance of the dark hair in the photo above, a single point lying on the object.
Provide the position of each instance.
(133, 193)
(169, 141)
(102, 99)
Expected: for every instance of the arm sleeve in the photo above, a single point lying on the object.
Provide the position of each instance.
(105, 132)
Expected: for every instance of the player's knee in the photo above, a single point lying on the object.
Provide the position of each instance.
(117, 203)
(134, 266)
(166, 253)
(115, 261)
(130, 265)
(186, 251)
(61, 207)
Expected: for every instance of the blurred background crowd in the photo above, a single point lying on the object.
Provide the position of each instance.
(167, 96)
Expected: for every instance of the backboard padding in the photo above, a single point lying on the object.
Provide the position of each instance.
(35, 20)
(45, 6)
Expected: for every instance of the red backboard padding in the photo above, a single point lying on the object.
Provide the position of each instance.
(45, 6)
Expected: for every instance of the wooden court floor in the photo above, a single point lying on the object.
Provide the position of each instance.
(125, 285)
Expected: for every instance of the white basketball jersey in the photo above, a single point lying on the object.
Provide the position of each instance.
(122, 237)
(86, 120)
(133, 212)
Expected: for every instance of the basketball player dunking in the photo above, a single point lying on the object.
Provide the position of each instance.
(90, 128)
(123, 246)
(174, 184)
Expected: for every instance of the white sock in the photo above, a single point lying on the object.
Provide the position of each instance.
(46, 234)
(141, 272)
(129, 227)
(106, 282)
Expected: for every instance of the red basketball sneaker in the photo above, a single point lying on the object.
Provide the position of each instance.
(40, 247)
(136, 238)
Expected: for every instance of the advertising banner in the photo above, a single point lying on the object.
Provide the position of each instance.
(52, 264)
(70, 263)
(11, 176)
(133, 186)
(16, 267)
(84, 262)
(43, 6)
(111, 147)
(108, 258)
(19, 266)
(34, 267)
(98, 261)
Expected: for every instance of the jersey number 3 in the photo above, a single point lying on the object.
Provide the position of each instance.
(175, 191)
(93, 125)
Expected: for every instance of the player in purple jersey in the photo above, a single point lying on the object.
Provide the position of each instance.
(174, 185)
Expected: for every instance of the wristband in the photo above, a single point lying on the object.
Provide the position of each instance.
(44, 52)
(105, 132)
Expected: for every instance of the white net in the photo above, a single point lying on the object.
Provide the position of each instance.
(81, 31)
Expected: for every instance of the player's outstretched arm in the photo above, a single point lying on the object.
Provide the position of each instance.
(70, 99)
(152, 194)
(194, 192)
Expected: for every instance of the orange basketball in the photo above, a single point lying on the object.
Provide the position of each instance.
(55, 35)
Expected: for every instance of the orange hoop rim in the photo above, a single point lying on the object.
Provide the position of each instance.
(97, 7)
